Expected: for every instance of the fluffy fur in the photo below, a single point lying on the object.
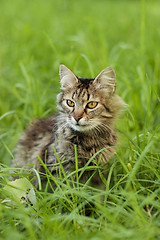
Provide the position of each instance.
(87, 109)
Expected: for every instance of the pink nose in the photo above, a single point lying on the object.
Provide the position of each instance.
(77, 117)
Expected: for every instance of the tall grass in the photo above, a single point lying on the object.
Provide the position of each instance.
(87, 36)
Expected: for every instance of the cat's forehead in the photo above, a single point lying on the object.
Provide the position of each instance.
(85, 82)
(83, 92)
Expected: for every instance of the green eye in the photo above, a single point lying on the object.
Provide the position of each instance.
(70, 103)
(92, 105)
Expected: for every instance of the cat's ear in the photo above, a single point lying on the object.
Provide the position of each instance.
(68, 79)
(106, 80)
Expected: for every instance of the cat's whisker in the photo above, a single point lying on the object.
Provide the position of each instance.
(99, 130)
(61, 127)
(99, 125)
(96, 129)
(105, 126)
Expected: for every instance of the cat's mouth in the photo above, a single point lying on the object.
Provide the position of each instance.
(80, 128)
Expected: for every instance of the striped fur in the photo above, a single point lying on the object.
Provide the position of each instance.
(89, 129)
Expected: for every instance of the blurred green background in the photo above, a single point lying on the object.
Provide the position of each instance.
(87, 36)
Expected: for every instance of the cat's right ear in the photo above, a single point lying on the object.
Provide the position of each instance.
(106, 80)
(68, 79)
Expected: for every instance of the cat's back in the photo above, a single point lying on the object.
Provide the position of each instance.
(34, 142)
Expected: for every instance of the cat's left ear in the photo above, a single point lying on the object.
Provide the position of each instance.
(68, 79)
(106, 80)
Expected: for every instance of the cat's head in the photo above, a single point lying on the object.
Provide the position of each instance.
(88, 104)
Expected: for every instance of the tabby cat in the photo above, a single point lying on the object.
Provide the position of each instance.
(87, 109)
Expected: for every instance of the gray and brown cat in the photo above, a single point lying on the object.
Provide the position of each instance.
(87, 109)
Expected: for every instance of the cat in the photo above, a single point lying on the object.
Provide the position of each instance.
(87, 109)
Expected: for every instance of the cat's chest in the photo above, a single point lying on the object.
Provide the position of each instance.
(100, 153)
(86, 146)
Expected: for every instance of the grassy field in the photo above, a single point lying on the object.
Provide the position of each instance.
(87, 36)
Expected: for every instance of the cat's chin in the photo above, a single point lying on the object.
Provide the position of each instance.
(81, 128)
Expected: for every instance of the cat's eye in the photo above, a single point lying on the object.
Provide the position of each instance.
(70, 103)
(92, 105)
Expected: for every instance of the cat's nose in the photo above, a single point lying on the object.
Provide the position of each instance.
(78, 114)
(77, 118)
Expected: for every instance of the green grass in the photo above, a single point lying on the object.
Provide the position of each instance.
(87, 36)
